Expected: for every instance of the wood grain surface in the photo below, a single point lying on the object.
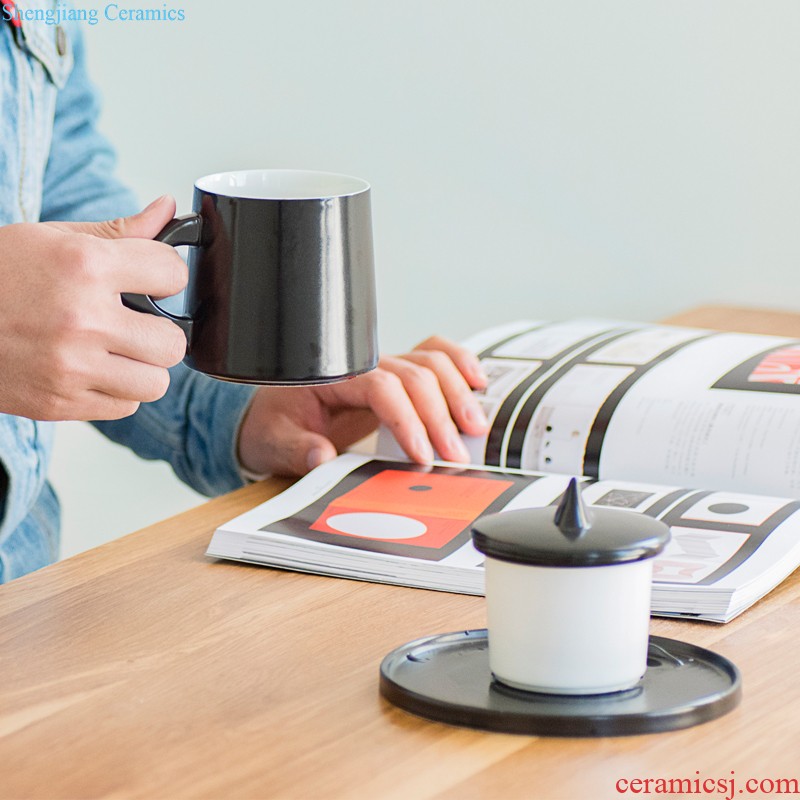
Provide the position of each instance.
(144, 669)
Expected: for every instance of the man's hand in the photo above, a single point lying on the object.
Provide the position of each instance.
(423, 397)
(70, 349)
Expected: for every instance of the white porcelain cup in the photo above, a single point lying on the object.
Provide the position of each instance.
(568, 630)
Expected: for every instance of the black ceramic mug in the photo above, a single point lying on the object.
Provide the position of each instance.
(281, 277)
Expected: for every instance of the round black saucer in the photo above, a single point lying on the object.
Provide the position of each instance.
(447, 678)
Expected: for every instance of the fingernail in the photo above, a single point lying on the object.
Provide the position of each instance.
(457, 446)
(422, 449)
(478, 371)
(475, 415)
(315, 457)
(156, 202)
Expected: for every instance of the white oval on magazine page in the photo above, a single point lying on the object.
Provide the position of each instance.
(376, 525)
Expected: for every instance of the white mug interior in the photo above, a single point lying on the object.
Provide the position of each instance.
(281, 184)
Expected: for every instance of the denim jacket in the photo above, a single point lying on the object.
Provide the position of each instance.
(54, 165)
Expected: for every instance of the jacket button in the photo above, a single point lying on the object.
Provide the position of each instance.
(61, 41)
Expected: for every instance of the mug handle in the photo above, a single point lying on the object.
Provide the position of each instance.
(187, 229)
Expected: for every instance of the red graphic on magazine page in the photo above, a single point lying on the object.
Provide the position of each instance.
(776, 371)
(401, 509)
(781, 366)
(396, 505)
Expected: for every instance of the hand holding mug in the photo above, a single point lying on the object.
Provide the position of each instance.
(71, 350)
(281, 287)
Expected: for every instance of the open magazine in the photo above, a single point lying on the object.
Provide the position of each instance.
(697, 428)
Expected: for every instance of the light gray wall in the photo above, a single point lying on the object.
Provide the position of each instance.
(544, 159)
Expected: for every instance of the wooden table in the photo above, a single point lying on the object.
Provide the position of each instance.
(143, 669)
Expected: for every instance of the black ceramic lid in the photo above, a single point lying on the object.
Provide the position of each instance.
(572, 536)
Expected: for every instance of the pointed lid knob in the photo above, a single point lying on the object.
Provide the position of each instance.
(571, 535)
(571, 517)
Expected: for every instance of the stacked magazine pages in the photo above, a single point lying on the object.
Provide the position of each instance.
(696, 428)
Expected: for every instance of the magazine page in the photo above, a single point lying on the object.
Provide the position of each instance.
(403, 523)
(652, 403)
(348, 518)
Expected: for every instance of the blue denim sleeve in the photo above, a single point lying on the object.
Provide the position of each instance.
(28, 508)
(194, 425)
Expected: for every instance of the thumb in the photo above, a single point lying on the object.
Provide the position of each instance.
(305, 450)
(292, 450)
(144, 225)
